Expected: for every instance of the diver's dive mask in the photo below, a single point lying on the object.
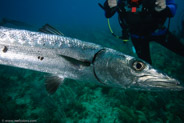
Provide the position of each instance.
(134, 4)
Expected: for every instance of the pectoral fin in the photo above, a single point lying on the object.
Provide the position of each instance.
(52, 83)
(76, 62)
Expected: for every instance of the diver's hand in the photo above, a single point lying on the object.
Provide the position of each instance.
(160, 5)
(112, 3)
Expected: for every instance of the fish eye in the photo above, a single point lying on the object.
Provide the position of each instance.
(138, 65)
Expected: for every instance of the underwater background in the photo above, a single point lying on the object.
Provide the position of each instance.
(22, 92)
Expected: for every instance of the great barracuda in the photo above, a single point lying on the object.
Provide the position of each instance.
(64, 57)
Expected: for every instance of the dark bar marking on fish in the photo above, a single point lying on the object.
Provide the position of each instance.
(5, 49)
(40, 57)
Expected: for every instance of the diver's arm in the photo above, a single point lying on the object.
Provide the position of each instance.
(172, 7)
(168, 11)
(109, 11)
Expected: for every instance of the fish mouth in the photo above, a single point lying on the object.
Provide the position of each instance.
(173, 85)
(159, 84)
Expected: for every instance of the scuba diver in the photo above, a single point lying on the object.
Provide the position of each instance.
(143, 21)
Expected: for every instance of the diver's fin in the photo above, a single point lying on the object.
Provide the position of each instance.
(50, 30)
(101, 6)
(52, 83)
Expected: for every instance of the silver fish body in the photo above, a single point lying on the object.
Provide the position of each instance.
(71, 58)
(47, 53)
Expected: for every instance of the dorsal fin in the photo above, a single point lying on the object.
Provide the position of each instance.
(48, 29)
(14, 23)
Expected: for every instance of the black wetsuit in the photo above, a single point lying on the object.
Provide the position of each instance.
(145, 26)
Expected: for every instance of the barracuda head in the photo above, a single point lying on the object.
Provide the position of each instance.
(116, 69)
(148, 78)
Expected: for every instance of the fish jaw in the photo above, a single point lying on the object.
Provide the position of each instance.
(155, 80)
(117, 69)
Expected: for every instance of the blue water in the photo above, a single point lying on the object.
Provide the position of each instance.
(80, 14)
(22, 92)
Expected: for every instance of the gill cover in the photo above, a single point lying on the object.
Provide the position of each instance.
(112, 68)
